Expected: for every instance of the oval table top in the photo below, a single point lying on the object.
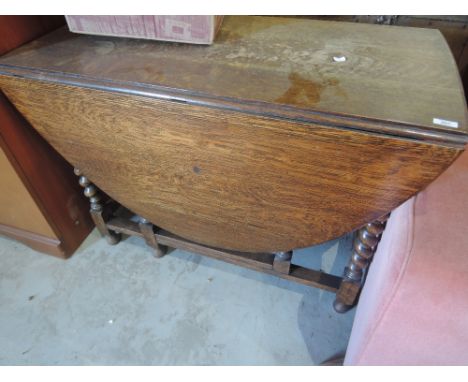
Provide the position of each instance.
(282, 134)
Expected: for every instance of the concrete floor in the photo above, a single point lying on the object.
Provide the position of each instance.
(119, 306)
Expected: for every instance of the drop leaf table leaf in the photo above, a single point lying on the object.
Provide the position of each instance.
(283, 134)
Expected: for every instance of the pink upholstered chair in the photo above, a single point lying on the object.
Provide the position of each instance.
(413, 309)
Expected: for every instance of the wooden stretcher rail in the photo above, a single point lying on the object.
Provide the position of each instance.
(257, 261)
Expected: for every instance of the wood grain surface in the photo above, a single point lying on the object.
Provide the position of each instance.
(394, 74)
(224, 178)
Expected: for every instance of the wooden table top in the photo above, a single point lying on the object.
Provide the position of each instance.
(261, 142)
(391, 78)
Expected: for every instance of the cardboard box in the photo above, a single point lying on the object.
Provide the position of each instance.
(187, 29)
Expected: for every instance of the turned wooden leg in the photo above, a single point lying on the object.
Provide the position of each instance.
(146, 228)
(282, 262)
(365, 245)
(91, 192)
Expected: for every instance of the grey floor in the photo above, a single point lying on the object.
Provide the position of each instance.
(120, 306)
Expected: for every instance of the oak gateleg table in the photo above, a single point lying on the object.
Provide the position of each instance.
(285, 133)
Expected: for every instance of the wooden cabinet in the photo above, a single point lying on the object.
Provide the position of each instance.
(40, 202)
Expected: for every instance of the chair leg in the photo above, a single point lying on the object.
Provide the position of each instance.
(92, 192)
(365, 245)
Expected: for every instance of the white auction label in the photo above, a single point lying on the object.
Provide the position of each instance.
(444, 122)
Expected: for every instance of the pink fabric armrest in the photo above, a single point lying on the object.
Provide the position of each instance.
(413, 308)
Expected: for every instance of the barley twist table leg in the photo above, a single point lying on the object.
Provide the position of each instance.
(96, 211)
(365, 245)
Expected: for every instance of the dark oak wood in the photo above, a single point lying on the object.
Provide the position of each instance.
(264, 262)
(365, 245)
(97, 208)
(147, 230)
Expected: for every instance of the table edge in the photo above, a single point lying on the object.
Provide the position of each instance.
(426, 134)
